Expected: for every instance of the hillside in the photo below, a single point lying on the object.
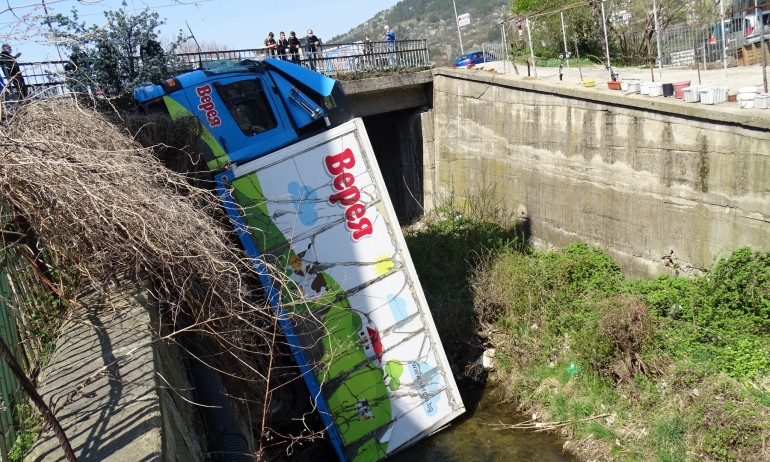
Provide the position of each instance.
(434, 20)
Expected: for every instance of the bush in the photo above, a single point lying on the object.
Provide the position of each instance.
(626, 323)
(575, 341)
(721, 319)
(735, 295)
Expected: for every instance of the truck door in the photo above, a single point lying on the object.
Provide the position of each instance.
(250, 122)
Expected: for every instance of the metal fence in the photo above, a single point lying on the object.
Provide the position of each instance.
(633, 39)
(43, 79)
(21, 298)
(48, 78)
(330, 59)
(685, 46)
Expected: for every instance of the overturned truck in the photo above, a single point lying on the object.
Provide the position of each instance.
(299, 180)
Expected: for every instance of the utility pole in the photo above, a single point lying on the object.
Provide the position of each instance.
(457, 23)
(724, 39)
(762, 43)
(531, 48)
(564, 37)
(606, 43)
(657, 38)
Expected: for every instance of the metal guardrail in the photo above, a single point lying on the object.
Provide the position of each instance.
(331, 59)
(43, 79)
(20, 289)
(47, 78)
(687, 46)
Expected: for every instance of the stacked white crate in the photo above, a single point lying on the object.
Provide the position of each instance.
(746, 97)
(707, 95)
(691, 94)
(656, 89)
(762, 101)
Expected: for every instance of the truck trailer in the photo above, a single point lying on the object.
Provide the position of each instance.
(299, 180)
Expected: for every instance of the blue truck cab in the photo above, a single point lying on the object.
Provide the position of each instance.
(250, 109)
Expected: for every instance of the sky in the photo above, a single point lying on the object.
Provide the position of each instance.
(238, 24)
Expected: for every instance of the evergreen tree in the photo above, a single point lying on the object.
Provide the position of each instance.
(115, 57)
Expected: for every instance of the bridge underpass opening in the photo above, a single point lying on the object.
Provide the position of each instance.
(397, 141)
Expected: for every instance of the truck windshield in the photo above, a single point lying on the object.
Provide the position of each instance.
(247, 103)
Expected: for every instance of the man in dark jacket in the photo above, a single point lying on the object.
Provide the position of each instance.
(12, 71)
(283, 46)
(311, 47)
(294, 47)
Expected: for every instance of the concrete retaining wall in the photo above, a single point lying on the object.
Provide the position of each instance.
(639, 177)
(119, 392)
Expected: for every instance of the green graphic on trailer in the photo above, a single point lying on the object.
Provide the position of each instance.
(215, 156)
(360, 402)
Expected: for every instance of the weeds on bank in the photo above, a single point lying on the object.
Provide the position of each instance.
(555, 62)
(669, 369)
(29, 424)
(446, 246)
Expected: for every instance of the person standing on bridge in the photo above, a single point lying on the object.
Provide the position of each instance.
(390, 44)
(294, 46)
(368, 52)
(12, 71)
(311, 47)
(283, 46)
(270, 44)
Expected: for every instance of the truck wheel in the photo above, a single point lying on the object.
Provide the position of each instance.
(289, 398)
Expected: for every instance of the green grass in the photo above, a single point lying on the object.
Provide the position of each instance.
(667, 368)
(668, 438)
(555, 62)
(681, 365)
(29, 424)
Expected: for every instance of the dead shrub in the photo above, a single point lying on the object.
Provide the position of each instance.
(626, 322)
(104, 207)
(175, 142)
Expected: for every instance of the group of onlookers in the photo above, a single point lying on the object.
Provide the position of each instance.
(289, 48)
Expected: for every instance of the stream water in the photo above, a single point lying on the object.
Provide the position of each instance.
(474, 437)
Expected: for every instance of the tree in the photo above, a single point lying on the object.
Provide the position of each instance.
(584, 27)
(630, 25)
(191, 46)
(115, 57)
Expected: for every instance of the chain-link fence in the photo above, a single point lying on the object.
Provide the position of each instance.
(642, 36)
(614, 33)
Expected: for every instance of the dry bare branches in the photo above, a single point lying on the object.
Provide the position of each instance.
(102, 205)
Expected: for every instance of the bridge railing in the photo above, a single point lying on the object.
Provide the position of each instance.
(331, 59)
(47, 78)
(43, 78)
(374, 56)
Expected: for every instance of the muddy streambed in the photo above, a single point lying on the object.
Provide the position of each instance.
(474, 437)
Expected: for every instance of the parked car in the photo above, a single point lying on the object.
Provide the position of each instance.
(472, 58)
